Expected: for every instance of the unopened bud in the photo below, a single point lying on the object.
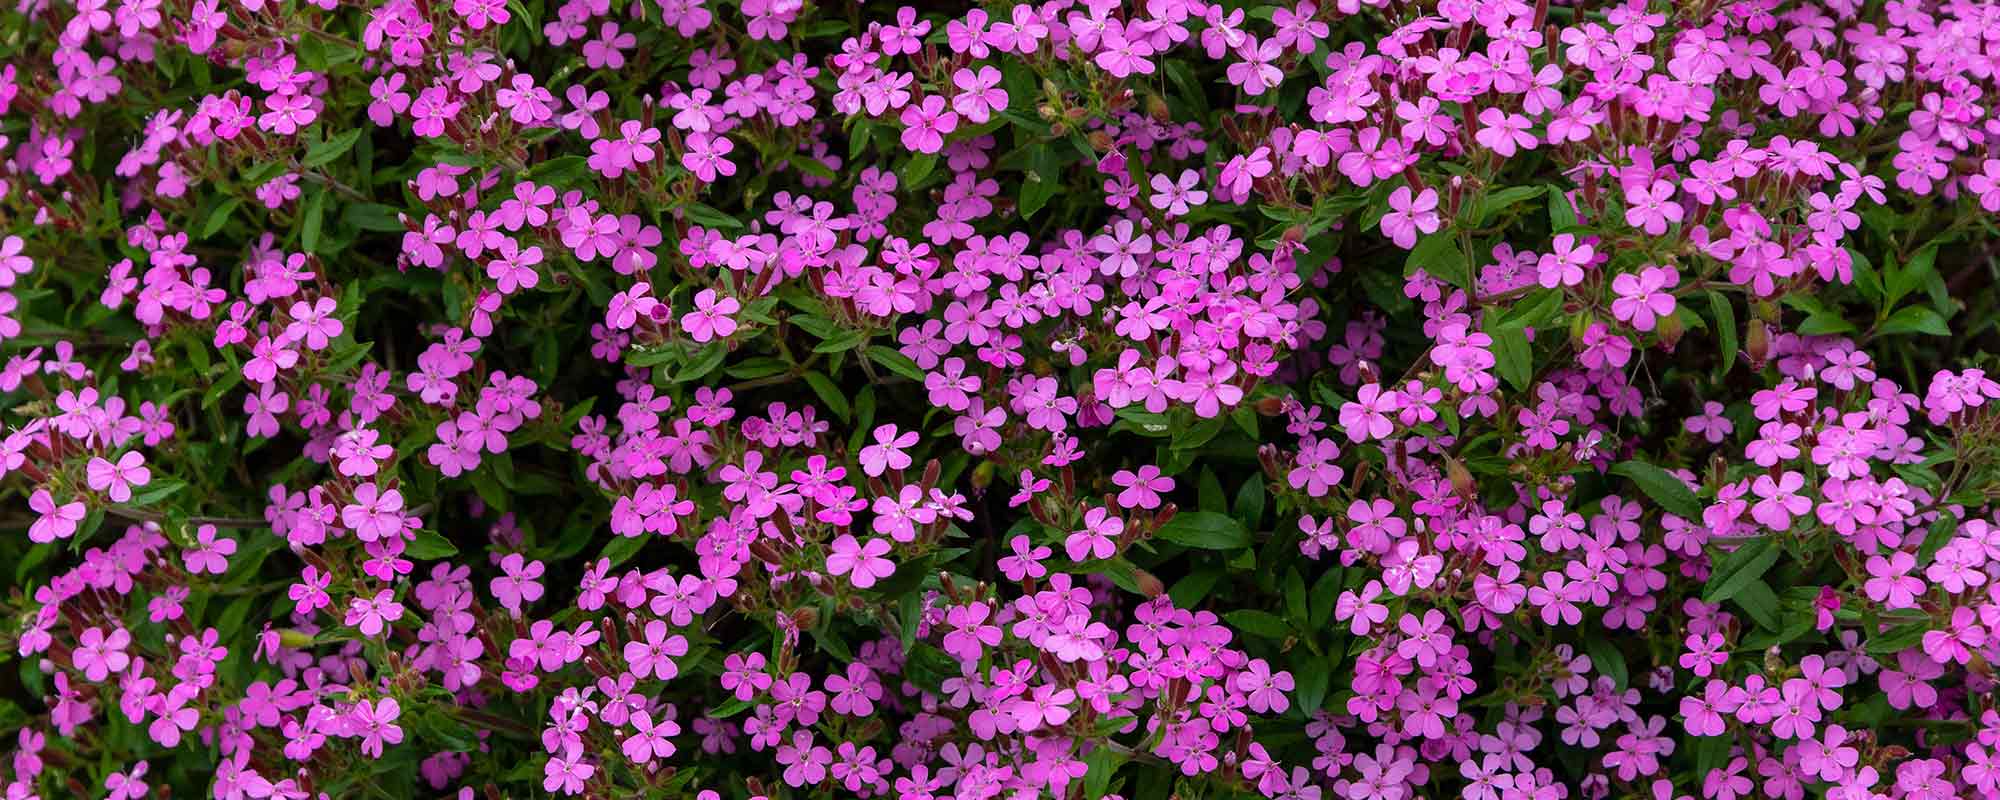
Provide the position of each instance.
(1671, 329)
(1461, 478)
(1270, 406)
(1149, 585)
(1758, 344)
(1100, 141)
(805, 618)
(1156, 107)
(982, 475)
(1369, 374)
(294, 639)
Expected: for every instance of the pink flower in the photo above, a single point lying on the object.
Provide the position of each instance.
(375, 725)
(100, 656)
(1175, 197)
(926, 123)
(117, 480)
(979, 95)
(1652, 208)
(55, 521)
(655, 655)
(371, 615)
(1098, 539)
(1142, 489)
(1407, 217)
(864, 564)
(1640, 297)
(1369, 416)
(1264, 689)
(210, 554)
(711, 317)
(887, 451)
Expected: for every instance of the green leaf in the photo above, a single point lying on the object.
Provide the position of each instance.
(1324, 592)
(1258, 623)
(1438, 255)
(1514, 356)
(159, 489)
(1761, 603)
(1607, 659)
(915, 170)
(324, 153)
(1911, 276)
(642, 356)
(314, 212)
(622, 549)
(812, 166)
(708, 217)
(1915, 319)
(1311, 674)
(429, 546)
(1899, 638)
(219, 217)
(1940, 534)
(1669, 491)
(1562, 215)
(705, 361)
(841, 341)
(758, 367)
(909, 612)
(829, 394)
(1534, 310)
(1098, 769)
(1496, 202)
(1036, 191)
(1295, 598)
(1205, 530)
(1725, 329)
(1737, 570)
(373, 217)
(1189, 591)
(893, 360)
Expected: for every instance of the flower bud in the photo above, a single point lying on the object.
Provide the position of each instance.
(294, 639)
(1757, 345)
(1671, 329)
(1461, 478)
(1149, 585)
(805, 618)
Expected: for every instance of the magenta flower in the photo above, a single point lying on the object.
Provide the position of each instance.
(99, 655)
(655, 654)
(371, 615)
(210, 553)
(711, 318)
(375, 724)
(1097, 539)
(116, 480)
(1409, 216)
(863, 564)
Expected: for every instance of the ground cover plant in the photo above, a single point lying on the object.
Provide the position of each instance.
(1366, 399)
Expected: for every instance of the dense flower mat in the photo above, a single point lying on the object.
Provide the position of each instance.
(1167, 398)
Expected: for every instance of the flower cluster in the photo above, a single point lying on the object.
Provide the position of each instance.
(1078, 398)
